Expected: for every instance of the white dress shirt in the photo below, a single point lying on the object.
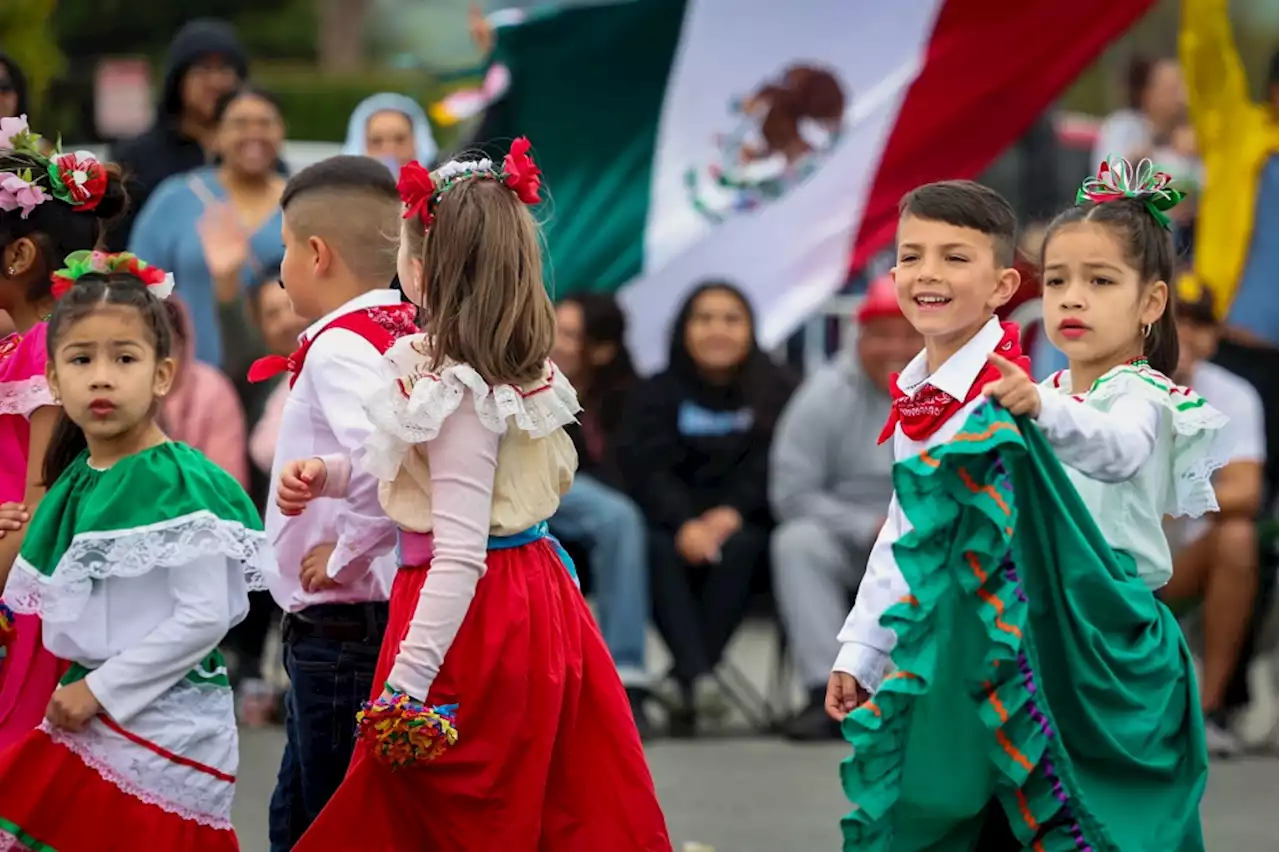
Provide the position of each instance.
(324, 415)
(864, 643)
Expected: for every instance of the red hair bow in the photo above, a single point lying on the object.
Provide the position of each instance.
(416, 191)
(521, 173)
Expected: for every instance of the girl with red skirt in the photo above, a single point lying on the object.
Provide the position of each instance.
(498, 721)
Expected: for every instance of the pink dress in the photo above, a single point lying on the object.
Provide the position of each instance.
(28, 673)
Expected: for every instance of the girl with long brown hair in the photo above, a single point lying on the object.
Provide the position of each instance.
(501, 707)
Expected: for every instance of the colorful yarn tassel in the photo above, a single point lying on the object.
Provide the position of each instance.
(404, 732)
(8, 630)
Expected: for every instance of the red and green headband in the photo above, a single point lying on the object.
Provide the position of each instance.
(81, 263)
(421, 190)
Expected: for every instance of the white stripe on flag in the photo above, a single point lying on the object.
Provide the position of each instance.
(791, 252)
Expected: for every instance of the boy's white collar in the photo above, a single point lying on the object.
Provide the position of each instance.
(372, 299)
(958, 373)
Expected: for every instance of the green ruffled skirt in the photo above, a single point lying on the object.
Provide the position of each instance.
(1032, 667)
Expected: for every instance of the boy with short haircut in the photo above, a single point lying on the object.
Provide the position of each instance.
(336, 562)
(954, 269)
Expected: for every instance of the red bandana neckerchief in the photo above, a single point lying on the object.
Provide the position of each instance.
(921, 415)
(381, 326)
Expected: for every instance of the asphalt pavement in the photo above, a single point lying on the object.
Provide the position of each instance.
(767, 795)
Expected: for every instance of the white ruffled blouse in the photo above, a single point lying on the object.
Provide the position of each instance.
(463, 460)
(1137, 447)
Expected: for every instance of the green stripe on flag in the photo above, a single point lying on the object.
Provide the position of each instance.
(587, 87)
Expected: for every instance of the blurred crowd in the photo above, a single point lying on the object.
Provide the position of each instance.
(727, 484)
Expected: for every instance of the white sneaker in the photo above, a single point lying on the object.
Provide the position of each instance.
(1219, 741)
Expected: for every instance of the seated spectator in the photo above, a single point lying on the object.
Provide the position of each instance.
(201, 408)
(829, 486)
(694, 451)
(595, 513)
(1216, 557)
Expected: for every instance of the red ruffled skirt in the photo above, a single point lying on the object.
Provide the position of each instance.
(547, 757)
(52, 801)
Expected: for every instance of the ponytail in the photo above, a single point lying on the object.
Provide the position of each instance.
(65, 446)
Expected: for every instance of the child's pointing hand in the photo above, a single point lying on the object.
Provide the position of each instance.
(1014, 390)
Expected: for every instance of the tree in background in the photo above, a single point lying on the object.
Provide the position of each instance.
(93, 28)
(26, 35)
(341, 35)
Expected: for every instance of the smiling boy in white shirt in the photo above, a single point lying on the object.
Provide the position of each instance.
(954, 269)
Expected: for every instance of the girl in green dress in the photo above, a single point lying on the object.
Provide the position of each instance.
(138, 561)
(1041, 697)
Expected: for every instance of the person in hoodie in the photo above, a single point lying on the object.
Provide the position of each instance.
(206, 61)
(694, 452)
(829, 487)
(202, 408)
(392, 128)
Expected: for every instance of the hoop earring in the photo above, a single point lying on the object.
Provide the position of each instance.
(1146, 331)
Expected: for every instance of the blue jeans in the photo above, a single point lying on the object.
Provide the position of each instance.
(328, 681)
(612, 530)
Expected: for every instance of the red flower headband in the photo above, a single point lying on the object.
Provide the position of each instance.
(421, 191)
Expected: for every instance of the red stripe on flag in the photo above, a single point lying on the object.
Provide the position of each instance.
(990, 69)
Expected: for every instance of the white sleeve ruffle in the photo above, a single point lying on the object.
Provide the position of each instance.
(412, 406)
(1200, 442)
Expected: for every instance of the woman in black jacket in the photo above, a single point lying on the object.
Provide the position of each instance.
(694, 451)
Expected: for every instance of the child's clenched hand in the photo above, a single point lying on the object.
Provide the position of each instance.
(72, 706)
(315, 569)
(301, 481)
(844, 694)
(1014, 390)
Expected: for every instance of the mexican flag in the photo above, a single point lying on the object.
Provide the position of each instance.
(764, 142)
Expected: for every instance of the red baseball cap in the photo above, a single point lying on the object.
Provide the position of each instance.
(881, 300)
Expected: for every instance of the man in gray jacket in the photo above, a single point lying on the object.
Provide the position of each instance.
(829, 487)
